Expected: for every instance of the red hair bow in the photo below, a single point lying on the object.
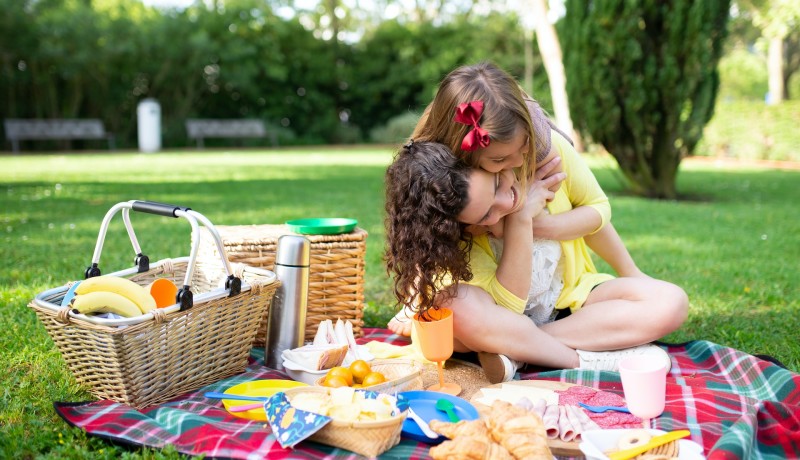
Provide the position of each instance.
(469, 113)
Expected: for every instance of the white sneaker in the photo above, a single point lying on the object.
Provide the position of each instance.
(498, 368)
(609, 360)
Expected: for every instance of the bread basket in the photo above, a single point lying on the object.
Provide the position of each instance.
(370, 438)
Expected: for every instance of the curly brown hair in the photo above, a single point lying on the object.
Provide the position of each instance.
(426, 246)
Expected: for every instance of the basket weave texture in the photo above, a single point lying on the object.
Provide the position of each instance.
(336, 275)
(365, 438)
(153, 361)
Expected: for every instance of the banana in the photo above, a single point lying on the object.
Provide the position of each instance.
(105, 302)
(122, 286)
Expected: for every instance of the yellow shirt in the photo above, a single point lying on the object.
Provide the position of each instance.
(580, 188)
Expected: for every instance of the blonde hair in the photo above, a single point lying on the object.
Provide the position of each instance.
(504, 111)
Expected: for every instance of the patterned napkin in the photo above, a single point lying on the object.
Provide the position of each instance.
(289, 424)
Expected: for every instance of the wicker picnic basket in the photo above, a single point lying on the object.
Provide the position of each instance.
(370, 438)
(336, 275)
(205, 337)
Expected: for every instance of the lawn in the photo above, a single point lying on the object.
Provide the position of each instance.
(732, 244)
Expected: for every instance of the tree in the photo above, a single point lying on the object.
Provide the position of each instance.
(776, 19)
(550, 48)
(643, 81)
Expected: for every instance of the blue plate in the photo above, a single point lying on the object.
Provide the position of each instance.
(70, 294)
(424, 404)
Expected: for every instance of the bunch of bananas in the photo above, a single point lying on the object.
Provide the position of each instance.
(112, 294)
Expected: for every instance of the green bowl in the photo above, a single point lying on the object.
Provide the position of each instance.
(322, 225)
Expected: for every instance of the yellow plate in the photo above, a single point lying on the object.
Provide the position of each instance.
(256, 388)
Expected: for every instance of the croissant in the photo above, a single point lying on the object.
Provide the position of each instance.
(521, 432)
(468, 428)
(469, 440)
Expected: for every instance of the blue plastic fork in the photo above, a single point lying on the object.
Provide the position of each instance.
(599, 409)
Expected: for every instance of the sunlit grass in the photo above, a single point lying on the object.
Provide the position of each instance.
(733, 245)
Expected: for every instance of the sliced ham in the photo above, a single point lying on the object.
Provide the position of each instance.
(550, 421)
(566, 431)
(584, 420)
(540, 406)
(574, 420)
(526, 404)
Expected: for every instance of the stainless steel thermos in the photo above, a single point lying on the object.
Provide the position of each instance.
(287, 314)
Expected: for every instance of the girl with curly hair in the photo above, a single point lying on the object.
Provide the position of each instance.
(486, 121)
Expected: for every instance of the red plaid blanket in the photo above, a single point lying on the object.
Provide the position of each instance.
(736, 405)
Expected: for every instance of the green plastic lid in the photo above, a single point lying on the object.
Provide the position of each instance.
(322, 225)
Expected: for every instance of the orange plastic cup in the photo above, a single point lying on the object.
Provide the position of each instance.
(435, 333)
(164, 291)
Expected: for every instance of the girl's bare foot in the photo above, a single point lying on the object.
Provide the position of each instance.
(401, 323)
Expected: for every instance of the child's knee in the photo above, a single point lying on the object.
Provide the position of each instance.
(674, 307)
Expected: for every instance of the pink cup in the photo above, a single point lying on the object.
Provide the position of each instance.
(644, 382)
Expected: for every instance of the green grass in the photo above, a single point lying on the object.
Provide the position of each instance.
(733, 246)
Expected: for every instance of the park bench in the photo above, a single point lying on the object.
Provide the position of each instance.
(56, 129)
(200, 129)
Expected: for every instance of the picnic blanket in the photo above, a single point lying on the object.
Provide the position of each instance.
(736, 405)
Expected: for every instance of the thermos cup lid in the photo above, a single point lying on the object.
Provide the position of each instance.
(293, 250)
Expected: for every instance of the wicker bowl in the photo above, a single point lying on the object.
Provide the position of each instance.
(370, 438)
(401, 375)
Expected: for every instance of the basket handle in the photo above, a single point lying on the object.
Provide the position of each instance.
(184, 297)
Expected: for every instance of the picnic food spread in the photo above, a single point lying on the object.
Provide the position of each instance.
(716, 431)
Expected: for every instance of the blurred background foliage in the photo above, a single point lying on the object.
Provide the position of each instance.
(334, 72)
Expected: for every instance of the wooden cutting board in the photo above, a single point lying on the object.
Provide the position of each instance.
(557, 446)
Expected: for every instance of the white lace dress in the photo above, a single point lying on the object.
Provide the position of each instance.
(547, 278)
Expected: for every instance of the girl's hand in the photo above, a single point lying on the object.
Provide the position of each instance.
(547, 169)
(540, 192)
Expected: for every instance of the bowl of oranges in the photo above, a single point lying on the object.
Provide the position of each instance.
(381, 375)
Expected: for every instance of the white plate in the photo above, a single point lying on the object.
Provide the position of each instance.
(309, 376)
(595, 442)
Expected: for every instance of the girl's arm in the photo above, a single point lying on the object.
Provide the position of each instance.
(607, 244)
(581, 207)
(586, 217)
(570, 225)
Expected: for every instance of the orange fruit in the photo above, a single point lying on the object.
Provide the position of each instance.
(359, 368)
(373, 378)
(342, 372)
(334, 381)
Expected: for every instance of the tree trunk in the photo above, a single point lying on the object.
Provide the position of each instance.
(527, 40)
(554, 66)
(775, 70)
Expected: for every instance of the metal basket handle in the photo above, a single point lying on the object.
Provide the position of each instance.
(184, 297)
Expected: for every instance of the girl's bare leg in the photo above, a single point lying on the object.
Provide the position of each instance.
(481, 325)
(621, 313)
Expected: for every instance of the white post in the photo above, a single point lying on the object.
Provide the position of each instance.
(148, 116)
